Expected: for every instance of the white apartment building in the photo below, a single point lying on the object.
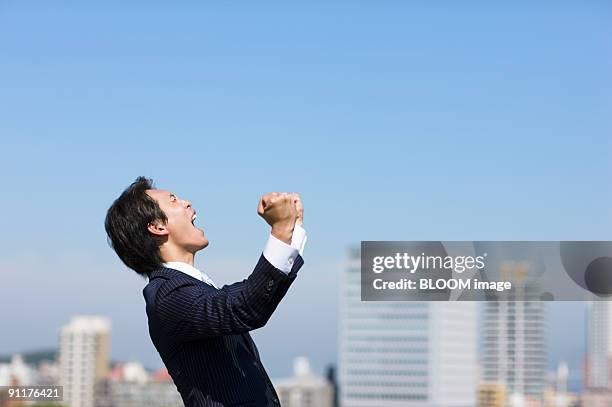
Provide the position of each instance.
(514, 339)
(83, 358)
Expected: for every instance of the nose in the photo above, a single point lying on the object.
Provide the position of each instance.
(187, 204)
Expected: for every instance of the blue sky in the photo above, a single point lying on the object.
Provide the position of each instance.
(395, 121)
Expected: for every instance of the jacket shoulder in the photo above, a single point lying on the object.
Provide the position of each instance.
(164, 281)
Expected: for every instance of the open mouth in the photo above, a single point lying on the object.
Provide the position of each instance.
(193, 218)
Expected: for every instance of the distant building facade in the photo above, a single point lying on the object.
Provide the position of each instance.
(405, 353)
(304, 389)
(514, 340)
(17, 371)
(83, 358)
(597, 351)
(491, 395)
(130, 385)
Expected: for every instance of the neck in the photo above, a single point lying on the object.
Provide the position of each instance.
(169, 254)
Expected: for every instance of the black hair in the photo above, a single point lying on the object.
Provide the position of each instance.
(127, 223)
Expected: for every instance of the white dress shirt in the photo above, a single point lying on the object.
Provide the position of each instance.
(278, 253)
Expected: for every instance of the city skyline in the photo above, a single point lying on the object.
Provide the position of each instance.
(575, 362)
(83, 351)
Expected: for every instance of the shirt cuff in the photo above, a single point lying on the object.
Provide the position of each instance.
(298, 239)
(280, 254)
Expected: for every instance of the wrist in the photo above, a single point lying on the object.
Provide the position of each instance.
(283, 232)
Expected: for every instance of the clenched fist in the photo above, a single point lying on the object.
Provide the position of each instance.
(281, 210)
(299, 207)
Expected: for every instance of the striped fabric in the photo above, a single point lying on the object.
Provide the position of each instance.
(202, 334)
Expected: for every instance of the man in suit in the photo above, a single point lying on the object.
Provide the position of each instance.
(201, 331)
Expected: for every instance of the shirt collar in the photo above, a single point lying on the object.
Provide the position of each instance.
(185, 268)
(190, 271)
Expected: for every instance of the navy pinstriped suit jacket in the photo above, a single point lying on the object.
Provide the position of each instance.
(202, 333)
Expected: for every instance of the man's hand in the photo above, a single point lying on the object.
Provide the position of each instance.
(299, 207)
(279, 211)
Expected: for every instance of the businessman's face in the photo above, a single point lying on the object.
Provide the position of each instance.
(180, 228)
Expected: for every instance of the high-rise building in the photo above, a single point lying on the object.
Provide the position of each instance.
(597, 351)
(304, 389)
(405, 353)
(83, 358)
(514, 341)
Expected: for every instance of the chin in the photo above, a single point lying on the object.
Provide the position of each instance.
(195, 247)
(200, 241)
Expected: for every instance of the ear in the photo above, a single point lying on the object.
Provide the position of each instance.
(157, 228)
